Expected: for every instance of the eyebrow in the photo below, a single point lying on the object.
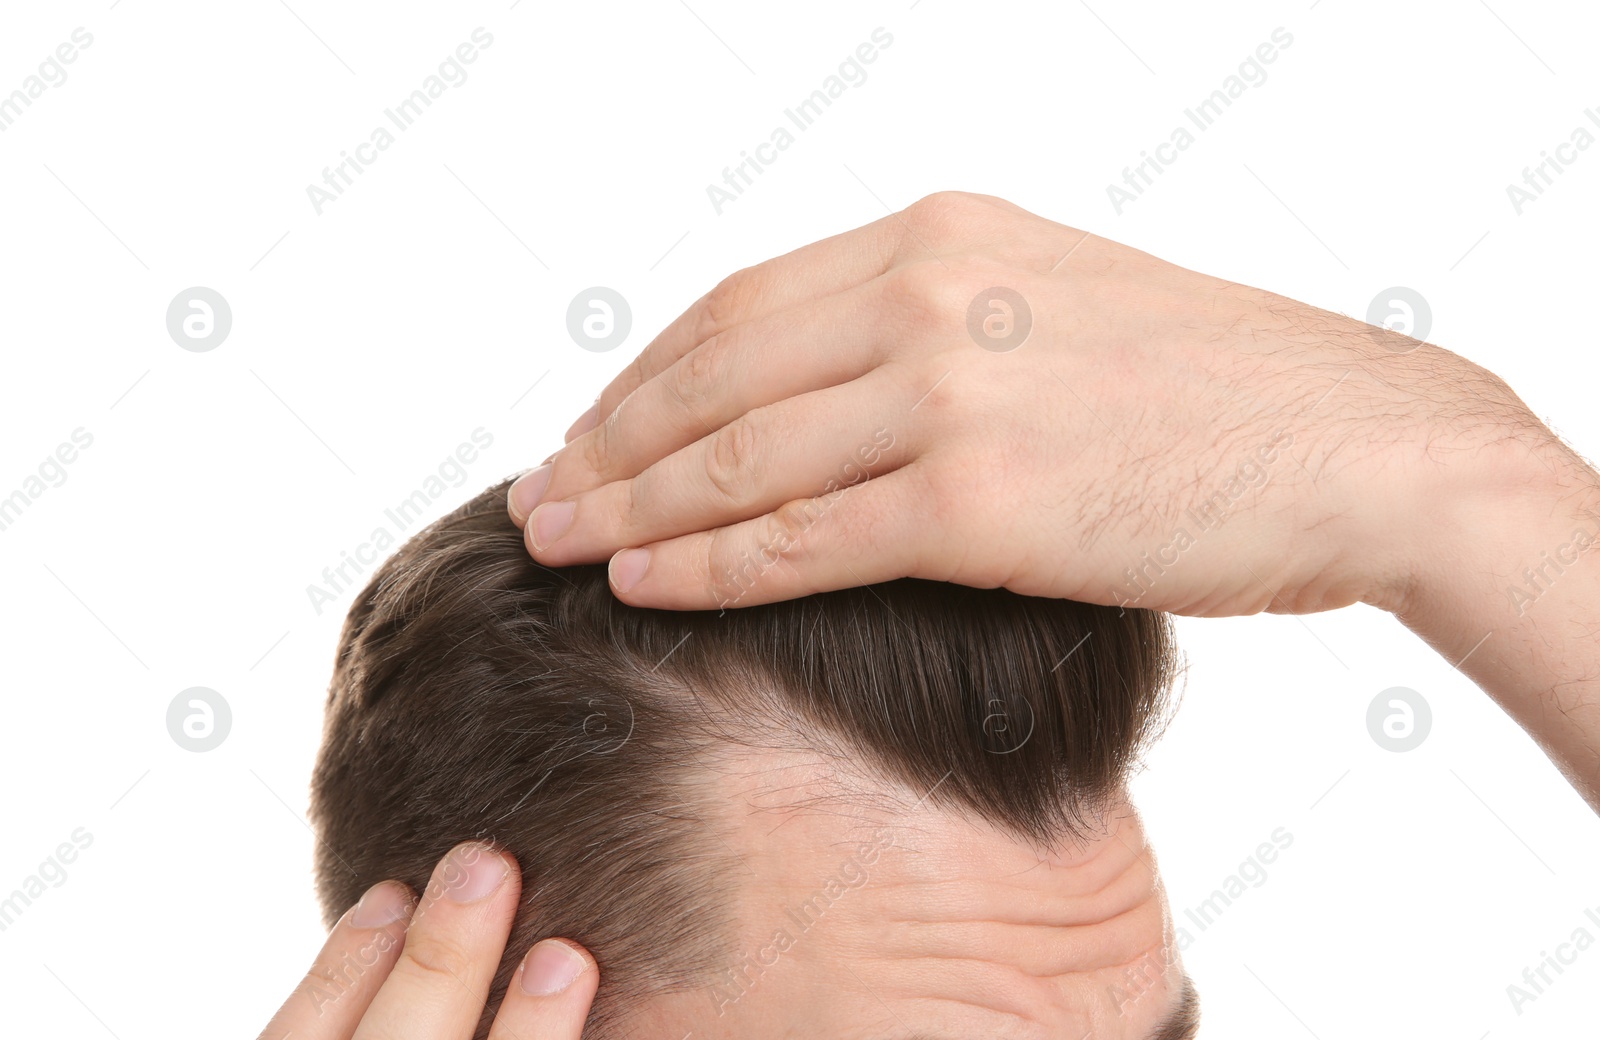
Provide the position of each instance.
(1183, 1023)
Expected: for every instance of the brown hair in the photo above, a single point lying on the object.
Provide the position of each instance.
(478, 694)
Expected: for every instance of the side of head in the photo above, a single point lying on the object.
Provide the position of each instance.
(672, 783)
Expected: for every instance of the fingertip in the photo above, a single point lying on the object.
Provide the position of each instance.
(355, 960)
(526, 492)
(550, 995)
(548, 523)
(627, 569)
(383, 904)
(551, 966)
(472, 871)
(527, 539)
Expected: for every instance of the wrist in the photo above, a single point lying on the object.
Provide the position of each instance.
(1519, 522)
(1512, 599)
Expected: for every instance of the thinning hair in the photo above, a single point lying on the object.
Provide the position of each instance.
(479, 695)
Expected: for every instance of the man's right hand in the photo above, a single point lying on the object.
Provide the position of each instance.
(1122, 431)
(1156, 438)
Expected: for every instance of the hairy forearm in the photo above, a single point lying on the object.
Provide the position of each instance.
(1511, 596)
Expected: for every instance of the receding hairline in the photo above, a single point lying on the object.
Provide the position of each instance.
(461, 607)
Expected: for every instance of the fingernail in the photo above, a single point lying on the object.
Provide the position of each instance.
(586, 422)
(627, 567)
(551, 522)
(384, 903)
(526, 491)
(550, 968)
(473, 872)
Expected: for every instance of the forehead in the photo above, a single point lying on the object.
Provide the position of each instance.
(861, 922)
(1182, 1021)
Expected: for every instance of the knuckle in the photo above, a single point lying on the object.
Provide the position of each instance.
(637, 375)
(635, 508)
(599, 447)
(732, 567)
(936, 302)
(696, 374)
(435, 959)
(726, 300)
(919, 292)
(941, 210)
(726, 581)
(936, 203)
(325, 978)
(784, 540)
(731, 459)
(789, 523)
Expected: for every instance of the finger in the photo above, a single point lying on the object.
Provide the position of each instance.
(549, 996)
(439, 985)
(870, 532)
(800, 447)
(820, 269)
(353, 963)
(810, 347)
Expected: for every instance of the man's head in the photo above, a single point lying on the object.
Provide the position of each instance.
(883, 813)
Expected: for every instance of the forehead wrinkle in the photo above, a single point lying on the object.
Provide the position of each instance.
(961, 884)
(941, 870)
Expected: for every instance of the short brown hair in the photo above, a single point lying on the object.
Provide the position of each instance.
(478, 694)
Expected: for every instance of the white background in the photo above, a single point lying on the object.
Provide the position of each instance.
(370, 340)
